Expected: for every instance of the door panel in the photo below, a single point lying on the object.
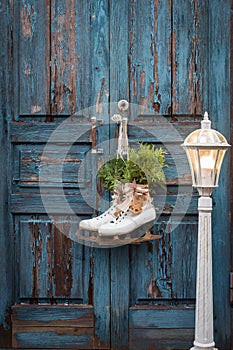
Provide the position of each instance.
(170, 60)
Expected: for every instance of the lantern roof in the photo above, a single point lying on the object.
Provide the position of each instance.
(206, 136)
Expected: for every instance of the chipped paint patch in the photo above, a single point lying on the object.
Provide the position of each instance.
(175, 104)
(142, 78)
(27, 20)
(64, 60)
(36, 109)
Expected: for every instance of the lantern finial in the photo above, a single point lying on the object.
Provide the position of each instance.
(206, 116)
(206, 123)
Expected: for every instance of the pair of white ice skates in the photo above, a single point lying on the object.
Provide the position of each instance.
(129, 216)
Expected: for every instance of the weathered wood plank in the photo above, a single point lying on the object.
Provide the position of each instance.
(58, 326)
(182, 53)
(219, 108)
(33, 166)
(28, 167)
(151, 267)
(100, 291)
(33, 57)
(161, 317)
(50, 265)
(189, 56)
(184, 257)
(6, 107)
(165, 269)
(149, 55)
(69, 338)
(63, 57)
(155, 130)
(120, 297)
(161, 339)
(100, 64)
(22, 132)
(53, 315)
(31, 203)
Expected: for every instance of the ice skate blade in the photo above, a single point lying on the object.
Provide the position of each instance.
(94, 239)
(132, 235)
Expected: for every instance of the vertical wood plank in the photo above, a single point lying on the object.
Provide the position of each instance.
(219, 106)
(99, 284)
(63, 56)
(33, 69)
(6, 106)
(120, 298)
(149, 55)
(101, 294)
(189, 56)
(119, 89)
(151, 268)
(184, 257)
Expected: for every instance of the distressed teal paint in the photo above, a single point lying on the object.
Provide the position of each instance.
(32, 58)
(149, 55)
(219, 109)
(6, 242)
(52, 339)
(169, 56)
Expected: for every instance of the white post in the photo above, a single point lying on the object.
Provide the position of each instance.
(204, 334)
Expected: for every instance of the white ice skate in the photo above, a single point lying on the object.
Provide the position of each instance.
(121, 199)
(134, 220)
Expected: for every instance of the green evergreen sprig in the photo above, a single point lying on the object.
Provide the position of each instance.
(145, 166)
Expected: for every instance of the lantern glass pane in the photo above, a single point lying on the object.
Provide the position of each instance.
(208, 159)
(221, 155)
(192, 155)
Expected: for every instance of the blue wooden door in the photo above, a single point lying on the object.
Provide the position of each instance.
(170, 60)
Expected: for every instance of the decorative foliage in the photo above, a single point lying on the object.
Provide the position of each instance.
(145, 166)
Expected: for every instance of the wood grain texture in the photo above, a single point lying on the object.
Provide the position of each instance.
(51, 266)
(161, 327)
(101, 293)
(33, 56)
(149, 55)
(120, 297)
(52, 326)
(161, 339)
(189, 56)
(219, 108)
(6, 107)
(170, 57)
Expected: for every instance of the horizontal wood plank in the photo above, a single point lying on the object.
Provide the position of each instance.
(41, 132)
(161, 317)
(32, 203)
(54, 327)
(162, 132)
(160, 339)
(63, 338)
(25, 203)
(53, 315)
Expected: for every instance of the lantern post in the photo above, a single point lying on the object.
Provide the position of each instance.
(205, 149)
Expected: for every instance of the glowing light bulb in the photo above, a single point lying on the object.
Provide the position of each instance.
(207, 163)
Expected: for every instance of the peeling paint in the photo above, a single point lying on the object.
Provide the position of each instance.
(143, 104)
(155, 52)
(64, 67)
(37, 252)
(50, 260)
(62, 271)
(36, 109)
(26, 21)
(142, 77)
(27, 68)
(153, 290)
(175, 104)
